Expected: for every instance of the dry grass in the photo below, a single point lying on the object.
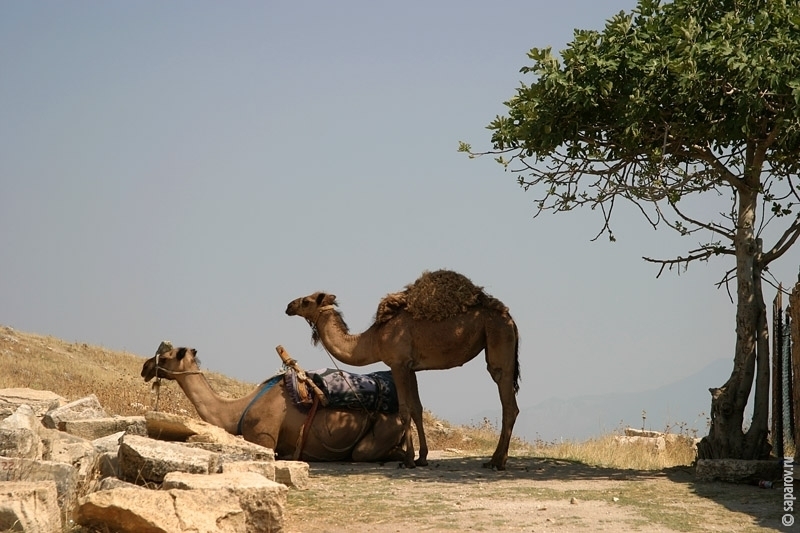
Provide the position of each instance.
(604, 451)
(76, 370)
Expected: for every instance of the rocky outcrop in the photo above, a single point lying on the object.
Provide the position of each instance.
(29, 506)
(95, 428)
(63, 463)
(738, 471)
(143, 460)
(82, 409)
(129, 510)
(656, 441)
(40, 401)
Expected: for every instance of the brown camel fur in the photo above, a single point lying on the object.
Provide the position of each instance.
(275, 422)
(408, 340)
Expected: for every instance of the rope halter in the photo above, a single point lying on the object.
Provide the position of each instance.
(321, 310)
(163, 348)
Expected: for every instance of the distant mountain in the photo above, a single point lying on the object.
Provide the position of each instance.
(684, 402)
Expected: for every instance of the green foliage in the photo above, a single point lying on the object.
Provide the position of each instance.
(709, 71)
(671, 99)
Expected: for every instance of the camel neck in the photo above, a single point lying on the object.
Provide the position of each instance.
(211, 407)
(340, 343)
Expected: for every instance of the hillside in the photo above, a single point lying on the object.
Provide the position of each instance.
(74, 370)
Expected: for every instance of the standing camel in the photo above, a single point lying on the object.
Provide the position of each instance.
(270, 418)
(440, 321)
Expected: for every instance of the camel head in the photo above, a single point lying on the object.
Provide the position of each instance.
(309, 306)
(171, 363)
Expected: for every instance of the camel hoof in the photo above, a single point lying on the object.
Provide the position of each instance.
(493, 466)
(421, 462)
(406, 465)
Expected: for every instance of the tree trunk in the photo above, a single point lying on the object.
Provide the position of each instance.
(792, 373)
(726, 439)
(777, 376)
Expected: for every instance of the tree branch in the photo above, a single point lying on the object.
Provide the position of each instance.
(714, 228)
(726, 280)
(704, 153)
(786, 241)
(700, 254)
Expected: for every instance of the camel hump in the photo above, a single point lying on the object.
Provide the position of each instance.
(437, 296)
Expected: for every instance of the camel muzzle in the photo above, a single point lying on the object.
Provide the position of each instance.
(149, 370)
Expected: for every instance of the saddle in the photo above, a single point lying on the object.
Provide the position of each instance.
(374, 392)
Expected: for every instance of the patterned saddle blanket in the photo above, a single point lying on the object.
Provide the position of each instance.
(344, 390)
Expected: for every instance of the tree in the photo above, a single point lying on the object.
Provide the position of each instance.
(671, 100)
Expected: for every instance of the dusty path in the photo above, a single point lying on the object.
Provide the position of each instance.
(455, 493)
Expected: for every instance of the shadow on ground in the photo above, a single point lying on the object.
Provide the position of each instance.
(765, 506)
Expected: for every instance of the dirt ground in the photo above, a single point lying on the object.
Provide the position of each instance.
(454, 493)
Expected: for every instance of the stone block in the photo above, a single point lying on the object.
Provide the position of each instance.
(29, 506)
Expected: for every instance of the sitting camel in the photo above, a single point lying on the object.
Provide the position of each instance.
(271, 418)
(440, 321)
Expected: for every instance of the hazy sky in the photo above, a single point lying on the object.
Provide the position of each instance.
(182, 170)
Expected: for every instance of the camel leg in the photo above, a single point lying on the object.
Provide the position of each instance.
(403, 381)
(510, 412)
(384, 441)
(416, 415)
(503, 376)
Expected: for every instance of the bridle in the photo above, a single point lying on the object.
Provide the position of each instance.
(157, 382)
(322, 309)
(313, 322)
(177, 372)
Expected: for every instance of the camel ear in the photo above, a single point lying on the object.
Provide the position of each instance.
(330, 299)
